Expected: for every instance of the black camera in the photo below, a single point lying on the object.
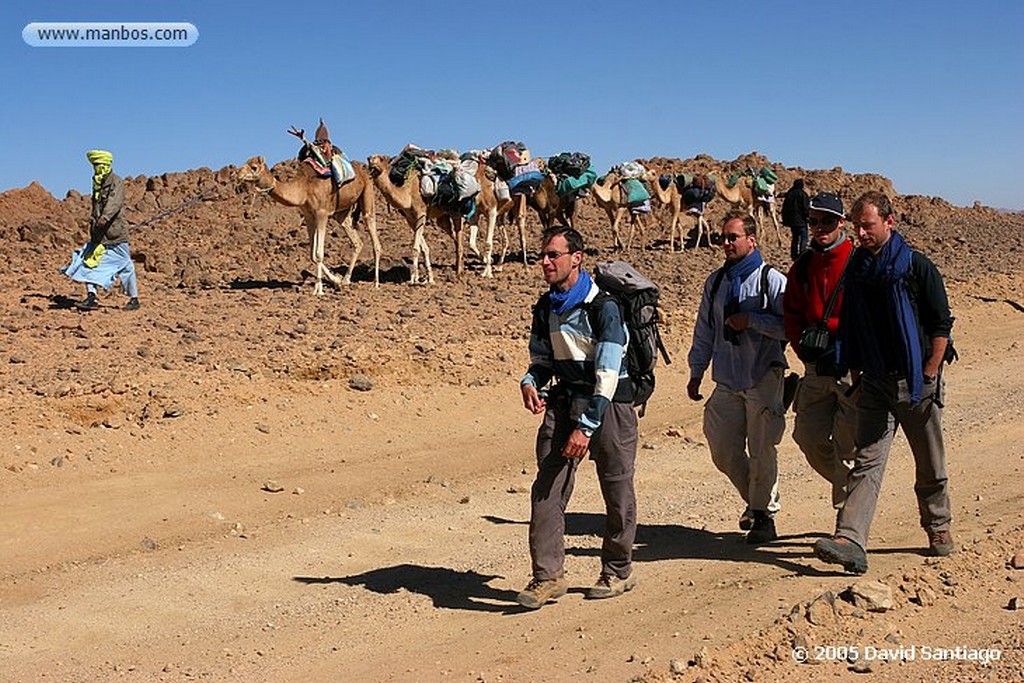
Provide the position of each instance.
(814, 341)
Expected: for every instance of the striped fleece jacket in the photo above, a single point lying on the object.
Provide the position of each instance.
(585, 361)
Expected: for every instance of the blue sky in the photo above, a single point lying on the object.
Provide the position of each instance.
(929, 94)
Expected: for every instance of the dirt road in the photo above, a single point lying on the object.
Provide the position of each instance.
(151, 550)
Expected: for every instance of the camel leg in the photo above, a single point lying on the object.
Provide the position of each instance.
(414, 270)
(319, 235)
(357, 246)
(474, 229)
(613, 218)
(522, 227)
(421, 227)
(775, 222)
(492, 218)
(505, 243)
(417, 248)
(370, 216)
(460, 251)
(311, 229)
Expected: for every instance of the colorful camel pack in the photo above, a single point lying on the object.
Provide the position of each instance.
(696, 190)
(572, 173)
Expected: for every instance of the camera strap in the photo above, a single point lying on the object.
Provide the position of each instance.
(835, 293)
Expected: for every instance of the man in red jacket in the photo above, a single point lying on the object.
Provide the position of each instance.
(825, 415)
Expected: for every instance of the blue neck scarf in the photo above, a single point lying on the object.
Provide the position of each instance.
(575, 295)
(884, 274)
(736, 273)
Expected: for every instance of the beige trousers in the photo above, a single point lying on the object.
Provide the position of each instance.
(743, 429)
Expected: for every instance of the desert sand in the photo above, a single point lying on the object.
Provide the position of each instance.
(243, 482)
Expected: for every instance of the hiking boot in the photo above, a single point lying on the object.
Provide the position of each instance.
(940, 543)
(842, 551)
(610, 586)
(540, 591)
(762, 530)
(89, 303)
(133, 304)
(747, 520)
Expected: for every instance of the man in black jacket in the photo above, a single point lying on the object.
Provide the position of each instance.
(893, 335)
(795, 209)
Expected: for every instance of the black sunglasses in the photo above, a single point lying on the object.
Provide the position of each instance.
(827, 221)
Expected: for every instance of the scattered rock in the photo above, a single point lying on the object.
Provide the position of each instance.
(861, 666)
(822, 610)
(1015, 604)
(873, 596)
(1017, 561)
(272, 486)
(360, 383)
(677, 667)
(925, 596)
(174, 410)
(148, 543)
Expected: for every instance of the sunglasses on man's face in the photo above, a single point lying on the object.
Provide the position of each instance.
(828, 221)
(552, 255)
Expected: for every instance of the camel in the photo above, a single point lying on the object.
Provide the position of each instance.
(408, 201)
(317, 200)
(674, 199)
(489, 207)
(609, 196)
(550, 206)
(742, 194)
(671, 198)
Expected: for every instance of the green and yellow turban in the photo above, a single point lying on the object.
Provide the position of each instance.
(99, 156)
(101, 160)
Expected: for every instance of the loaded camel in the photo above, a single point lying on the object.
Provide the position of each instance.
(742, 194)
(611, 198)
(671, 198)
(550, 206)
(489, 207)
(317, 199)
(407, 200)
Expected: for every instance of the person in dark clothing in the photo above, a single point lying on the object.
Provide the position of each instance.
(795, 210)
(893, 335)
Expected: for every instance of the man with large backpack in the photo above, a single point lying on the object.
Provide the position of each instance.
(739, 331)
(894, 336)
(825, 413)
(588, 409)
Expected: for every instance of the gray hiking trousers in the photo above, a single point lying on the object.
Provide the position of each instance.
(824, 428)
(613, 450)
(883, 403)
